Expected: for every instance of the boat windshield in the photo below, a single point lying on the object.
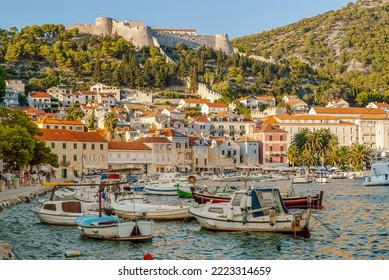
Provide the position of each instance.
(238, 197)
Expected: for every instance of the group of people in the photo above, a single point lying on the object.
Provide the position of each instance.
(27, 177)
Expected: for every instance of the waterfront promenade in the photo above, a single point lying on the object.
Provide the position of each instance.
(11, 197)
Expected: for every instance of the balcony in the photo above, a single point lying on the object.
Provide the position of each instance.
(65, 163)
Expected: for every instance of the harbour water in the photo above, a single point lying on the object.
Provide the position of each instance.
(357, 213)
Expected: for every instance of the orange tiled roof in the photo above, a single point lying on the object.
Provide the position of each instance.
(67, 135)
(39, 95)
(266, 128)
(127, 146)
(196, 100)
(216, 105)
(54, 121)
(153, 139)
(244, 98)
(294, 102)
(381, 104)
(265, 97)
(330, 110)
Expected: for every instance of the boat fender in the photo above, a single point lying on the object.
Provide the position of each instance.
(70, 254)
(249, 202)
(272, 216)
(244, 218)
(243, 202)
(230, 215)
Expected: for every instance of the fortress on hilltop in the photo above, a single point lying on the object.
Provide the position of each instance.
(140, 35)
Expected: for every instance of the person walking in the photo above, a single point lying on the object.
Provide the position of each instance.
(8, 178)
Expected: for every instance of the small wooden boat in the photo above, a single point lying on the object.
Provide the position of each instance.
(114, 228)
(204, 196)
(139, 210)
(63, 212)
(256, 210)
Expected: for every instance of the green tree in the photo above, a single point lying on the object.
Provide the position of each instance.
(110, 124)
(359, 154)
(2, 84)
(43, 155)
(91, 124)
(16, 145)
(74, 112)
(293, 155)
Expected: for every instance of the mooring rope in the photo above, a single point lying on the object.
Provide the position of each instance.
(334, 233)
(16, 255)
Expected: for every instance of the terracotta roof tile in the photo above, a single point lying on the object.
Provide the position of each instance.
(330, 110)
(39, 95)
(67, 135)
(153, 139)
(127, 146)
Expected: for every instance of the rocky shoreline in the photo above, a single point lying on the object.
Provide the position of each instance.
(14, 196)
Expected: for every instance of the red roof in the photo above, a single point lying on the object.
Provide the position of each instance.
(39, 95)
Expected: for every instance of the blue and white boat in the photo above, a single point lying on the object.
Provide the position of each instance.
(114, 228)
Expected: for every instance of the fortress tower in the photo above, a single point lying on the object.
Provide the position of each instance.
(103, 26)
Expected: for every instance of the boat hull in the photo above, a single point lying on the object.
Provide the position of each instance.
(130, 210)
(112, 228)
(56, 219)
(286, 224)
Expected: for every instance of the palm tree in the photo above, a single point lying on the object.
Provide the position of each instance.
(308, 159)
(322, 142)
(359, 154)
(110, 123)
(293, 154)
(300, 140)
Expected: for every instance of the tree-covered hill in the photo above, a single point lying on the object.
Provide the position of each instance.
(342, 53)
(351, 45)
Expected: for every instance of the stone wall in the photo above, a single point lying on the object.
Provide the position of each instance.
(206, 93)
(141, 35)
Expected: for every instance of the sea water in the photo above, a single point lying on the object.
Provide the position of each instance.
(358, 214)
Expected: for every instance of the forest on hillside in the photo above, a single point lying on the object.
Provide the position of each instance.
(351, 45)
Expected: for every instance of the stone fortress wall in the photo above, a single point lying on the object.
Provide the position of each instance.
(141, 35)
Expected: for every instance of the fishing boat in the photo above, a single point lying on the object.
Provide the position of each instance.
(158, 212)
(310, 201)
(202, 196)
(257, 210)
(291, 201)
(379, 174)
(114, 228)
(63, 212)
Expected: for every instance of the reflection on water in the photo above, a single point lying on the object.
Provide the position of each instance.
(357, 213)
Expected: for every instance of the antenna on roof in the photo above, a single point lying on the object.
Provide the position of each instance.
(102, 11)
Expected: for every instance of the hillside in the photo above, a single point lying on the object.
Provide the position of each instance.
(350, 44)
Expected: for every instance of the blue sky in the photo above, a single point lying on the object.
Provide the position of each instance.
(236, 18)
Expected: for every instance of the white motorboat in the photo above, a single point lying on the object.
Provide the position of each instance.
(114, 228)
(63, 212)
(140, 210)
(322, 176)
(257, 209)
(163, 186)
(379, 174)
